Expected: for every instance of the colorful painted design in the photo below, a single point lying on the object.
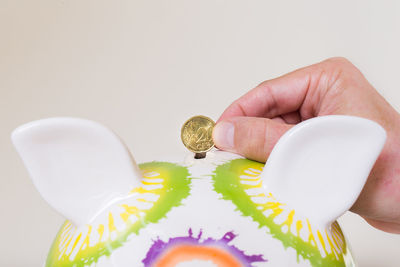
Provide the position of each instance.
(189, 248)
(239, 182)
(164, 186)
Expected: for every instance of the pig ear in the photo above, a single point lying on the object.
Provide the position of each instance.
(78, 166)
(320, 166)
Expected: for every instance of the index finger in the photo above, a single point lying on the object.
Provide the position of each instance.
(275, 97)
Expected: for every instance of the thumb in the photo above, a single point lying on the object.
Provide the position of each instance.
(250, 137)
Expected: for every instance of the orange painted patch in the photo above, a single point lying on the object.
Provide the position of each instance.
(184, 253)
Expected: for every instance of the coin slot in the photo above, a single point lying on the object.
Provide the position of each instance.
(200, 155)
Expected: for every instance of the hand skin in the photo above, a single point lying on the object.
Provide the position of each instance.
(252, 125)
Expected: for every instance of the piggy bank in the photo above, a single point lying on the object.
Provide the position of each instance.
(222, 210)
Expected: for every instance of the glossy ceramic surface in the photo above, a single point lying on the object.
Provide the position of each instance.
(223, 210)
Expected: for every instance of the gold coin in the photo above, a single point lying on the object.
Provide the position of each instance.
(196, 134)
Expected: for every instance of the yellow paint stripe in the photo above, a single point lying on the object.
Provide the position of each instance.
(66, 238)
(129, 210)
(67, 226)
(64, 235)
(299, 225)
(251, 173)
(111, 225)
(321, 239)
(289, 220)
(338, 236)
(154, 178)
(87, 238)
(150, 174)
(333, 248)
(100, 230)
(144, 200)
(150, 183)
(259, 185)
(334, 237)
(66, 247)
(274, 206)
(311, 237)
(140, 190)
(246, 177)
(75, 243)
(255, 170)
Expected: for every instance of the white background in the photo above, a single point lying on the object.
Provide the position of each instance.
(143, 67)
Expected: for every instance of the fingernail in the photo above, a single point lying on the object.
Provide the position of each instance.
(223, 135)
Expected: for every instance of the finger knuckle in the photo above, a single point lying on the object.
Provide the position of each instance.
(339, 63)
(339, 60)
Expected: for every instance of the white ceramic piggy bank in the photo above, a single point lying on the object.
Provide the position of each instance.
(222, 210)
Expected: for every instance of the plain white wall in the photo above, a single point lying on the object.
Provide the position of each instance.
(143, 67)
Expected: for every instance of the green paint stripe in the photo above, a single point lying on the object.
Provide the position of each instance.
(176, 188)
(227, 183)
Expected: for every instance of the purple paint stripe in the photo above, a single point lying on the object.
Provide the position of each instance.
(159, 248)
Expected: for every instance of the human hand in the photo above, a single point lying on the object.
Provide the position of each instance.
(252, 125)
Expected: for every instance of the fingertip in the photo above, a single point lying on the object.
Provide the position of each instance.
(223, 135)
